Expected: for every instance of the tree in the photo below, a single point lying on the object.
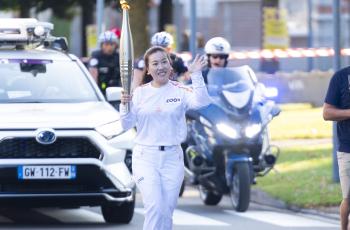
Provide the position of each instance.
(66, 9)
(138, 24)
(60, 9)
(270, 3)
(165, 14)
(22, 6)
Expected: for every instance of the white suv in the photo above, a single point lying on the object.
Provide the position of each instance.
(61, 143)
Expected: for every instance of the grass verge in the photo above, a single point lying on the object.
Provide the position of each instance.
(303, 177)
(300, 121)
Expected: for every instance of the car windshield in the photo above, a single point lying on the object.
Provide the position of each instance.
(43, 81)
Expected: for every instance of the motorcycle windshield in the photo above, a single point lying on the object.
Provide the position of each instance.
(230, 77)
(234, 84)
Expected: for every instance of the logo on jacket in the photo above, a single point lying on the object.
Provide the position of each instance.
(45, 136)
(173, 100)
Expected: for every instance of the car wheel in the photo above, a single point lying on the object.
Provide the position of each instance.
(118, 213)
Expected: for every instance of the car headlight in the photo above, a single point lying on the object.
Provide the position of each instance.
(110, 130)
(252, 130)
(227, 130)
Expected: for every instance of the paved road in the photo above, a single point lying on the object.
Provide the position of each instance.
(191, 214)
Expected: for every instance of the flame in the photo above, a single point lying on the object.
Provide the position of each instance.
(124, 4)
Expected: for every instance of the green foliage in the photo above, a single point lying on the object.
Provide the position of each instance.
(303, 177)
(61, 28)
(270, 3)
(61, 8)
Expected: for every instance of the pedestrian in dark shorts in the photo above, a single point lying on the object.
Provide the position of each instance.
(337, 108)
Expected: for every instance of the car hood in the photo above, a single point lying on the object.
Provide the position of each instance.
(56, 115)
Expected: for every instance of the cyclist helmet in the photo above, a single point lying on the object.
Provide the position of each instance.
(116, 31)
(217, 45)
(108, 36)
(163, 39)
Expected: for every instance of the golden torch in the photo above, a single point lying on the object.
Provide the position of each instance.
(126, 51)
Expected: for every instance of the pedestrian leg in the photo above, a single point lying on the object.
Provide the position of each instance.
(172, 174)
(147, 179)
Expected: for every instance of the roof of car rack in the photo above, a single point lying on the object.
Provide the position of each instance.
(23, 31)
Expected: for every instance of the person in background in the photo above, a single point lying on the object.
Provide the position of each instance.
(200, 44)
(104, 62)
(337, 108)
(166, 41)
(157, 109)
(218, 50)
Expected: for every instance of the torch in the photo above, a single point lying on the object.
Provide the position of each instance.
(126, 51)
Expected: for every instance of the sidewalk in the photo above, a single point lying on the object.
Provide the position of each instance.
(260, 197)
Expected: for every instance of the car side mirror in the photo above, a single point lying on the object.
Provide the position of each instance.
(114, 93)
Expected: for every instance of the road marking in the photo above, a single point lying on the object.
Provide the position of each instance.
(282, 219)
(189, 219)
(73, 215)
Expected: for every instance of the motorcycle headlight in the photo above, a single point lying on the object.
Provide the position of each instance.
(227, 130)
(110, 130)
(252, 130)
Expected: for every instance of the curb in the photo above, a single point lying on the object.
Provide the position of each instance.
(260, 197)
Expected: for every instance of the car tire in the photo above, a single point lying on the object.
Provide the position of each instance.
(118, 213)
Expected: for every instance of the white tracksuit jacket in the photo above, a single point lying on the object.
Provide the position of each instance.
(159, 117)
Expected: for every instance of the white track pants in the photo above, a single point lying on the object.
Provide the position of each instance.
(158, 175)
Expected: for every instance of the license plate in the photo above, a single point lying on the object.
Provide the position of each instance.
(26, 172)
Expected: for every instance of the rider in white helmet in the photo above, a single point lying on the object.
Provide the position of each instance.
(104, 63)
(218, 50)
(165, 40)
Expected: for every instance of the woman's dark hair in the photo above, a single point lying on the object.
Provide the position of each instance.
(147, 77)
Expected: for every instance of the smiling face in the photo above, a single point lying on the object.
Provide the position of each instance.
(158, 66)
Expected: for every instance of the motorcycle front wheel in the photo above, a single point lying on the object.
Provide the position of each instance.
(209, 197)
(240, 187)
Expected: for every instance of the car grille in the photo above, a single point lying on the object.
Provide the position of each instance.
(63, 147)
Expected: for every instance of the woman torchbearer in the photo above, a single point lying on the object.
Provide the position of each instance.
(157, 109)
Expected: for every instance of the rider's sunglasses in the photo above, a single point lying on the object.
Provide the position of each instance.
(221, 56)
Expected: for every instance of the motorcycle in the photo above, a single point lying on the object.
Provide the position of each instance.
(227, 143)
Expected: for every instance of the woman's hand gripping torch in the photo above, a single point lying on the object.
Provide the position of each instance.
(126, 51)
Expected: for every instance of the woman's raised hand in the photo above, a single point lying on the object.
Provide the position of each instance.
(198, 64)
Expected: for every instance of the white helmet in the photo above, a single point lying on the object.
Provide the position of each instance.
(108, 36)
(217, 45)
(163, 39)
